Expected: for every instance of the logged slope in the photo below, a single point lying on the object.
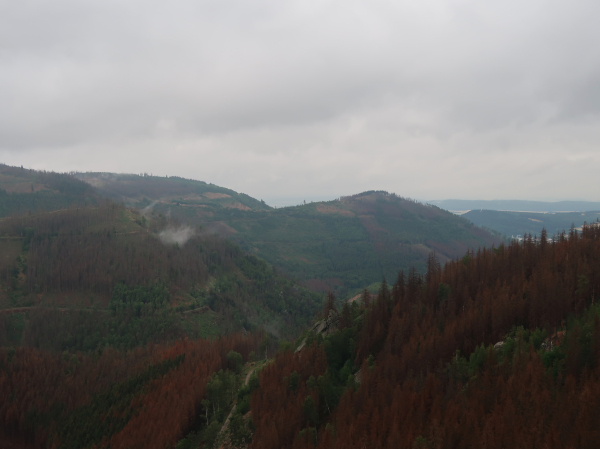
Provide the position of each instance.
(521, 223)
(23, 191)
(339, 245)
(146, 273)
(202, 199)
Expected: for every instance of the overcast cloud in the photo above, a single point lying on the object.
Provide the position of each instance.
(429, 99)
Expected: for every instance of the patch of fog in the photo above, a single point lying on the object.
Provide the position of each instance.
(148, 208)
(173, 235)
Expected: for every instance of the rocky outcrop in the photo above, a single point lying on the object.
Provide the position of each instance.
(199, 310)
(324, 327)
(329, 325)
(553, 341)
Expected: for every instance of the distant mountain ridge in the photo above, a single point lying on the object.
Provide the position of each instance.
(517, 205)
(513, 224)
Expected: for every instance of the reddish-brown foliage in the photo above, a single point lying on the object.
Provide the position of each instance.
(409, 400)
(34, 380)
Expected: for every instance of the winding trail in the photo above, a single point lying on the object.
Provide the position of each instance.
(226, 424)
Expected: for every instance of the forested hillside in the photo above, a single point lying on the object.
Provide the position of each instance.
(499, 349)
(25, 191)
(126, 280)
(347, 244)
(125, 329)
(147, 398)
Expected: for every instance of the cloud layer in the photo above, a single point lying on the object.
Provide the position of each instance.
(431, 99)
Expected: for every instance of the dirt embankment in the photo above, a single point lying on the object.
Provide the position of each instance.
(239, 206)
(334, 210)
(215, 195)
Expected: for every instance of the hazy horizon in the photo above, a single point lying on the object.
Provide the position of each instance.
(295, 200)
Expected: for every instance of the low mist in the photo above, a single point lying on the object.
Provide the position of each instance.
(146, 210)
(179, 235)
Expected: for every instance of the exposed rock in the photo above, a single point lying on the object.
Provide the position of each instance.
(553, 341)
(320, 327)
(324, 327)
(498, 346)
(302, 345)
(329, 325)
(202, 309)
(358, 376)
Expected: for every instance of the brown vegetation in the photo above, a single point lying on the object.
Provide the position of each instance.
(417, 394)
(162, 412)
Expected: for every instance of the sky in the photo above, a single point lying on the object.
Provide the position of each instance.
(289, 100)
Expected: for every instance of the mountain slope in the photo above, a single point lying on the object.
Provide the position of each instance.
(339, 245)
(357, 240)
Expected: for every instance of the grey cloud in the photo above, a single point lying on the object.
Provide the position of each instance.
(305, 95)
